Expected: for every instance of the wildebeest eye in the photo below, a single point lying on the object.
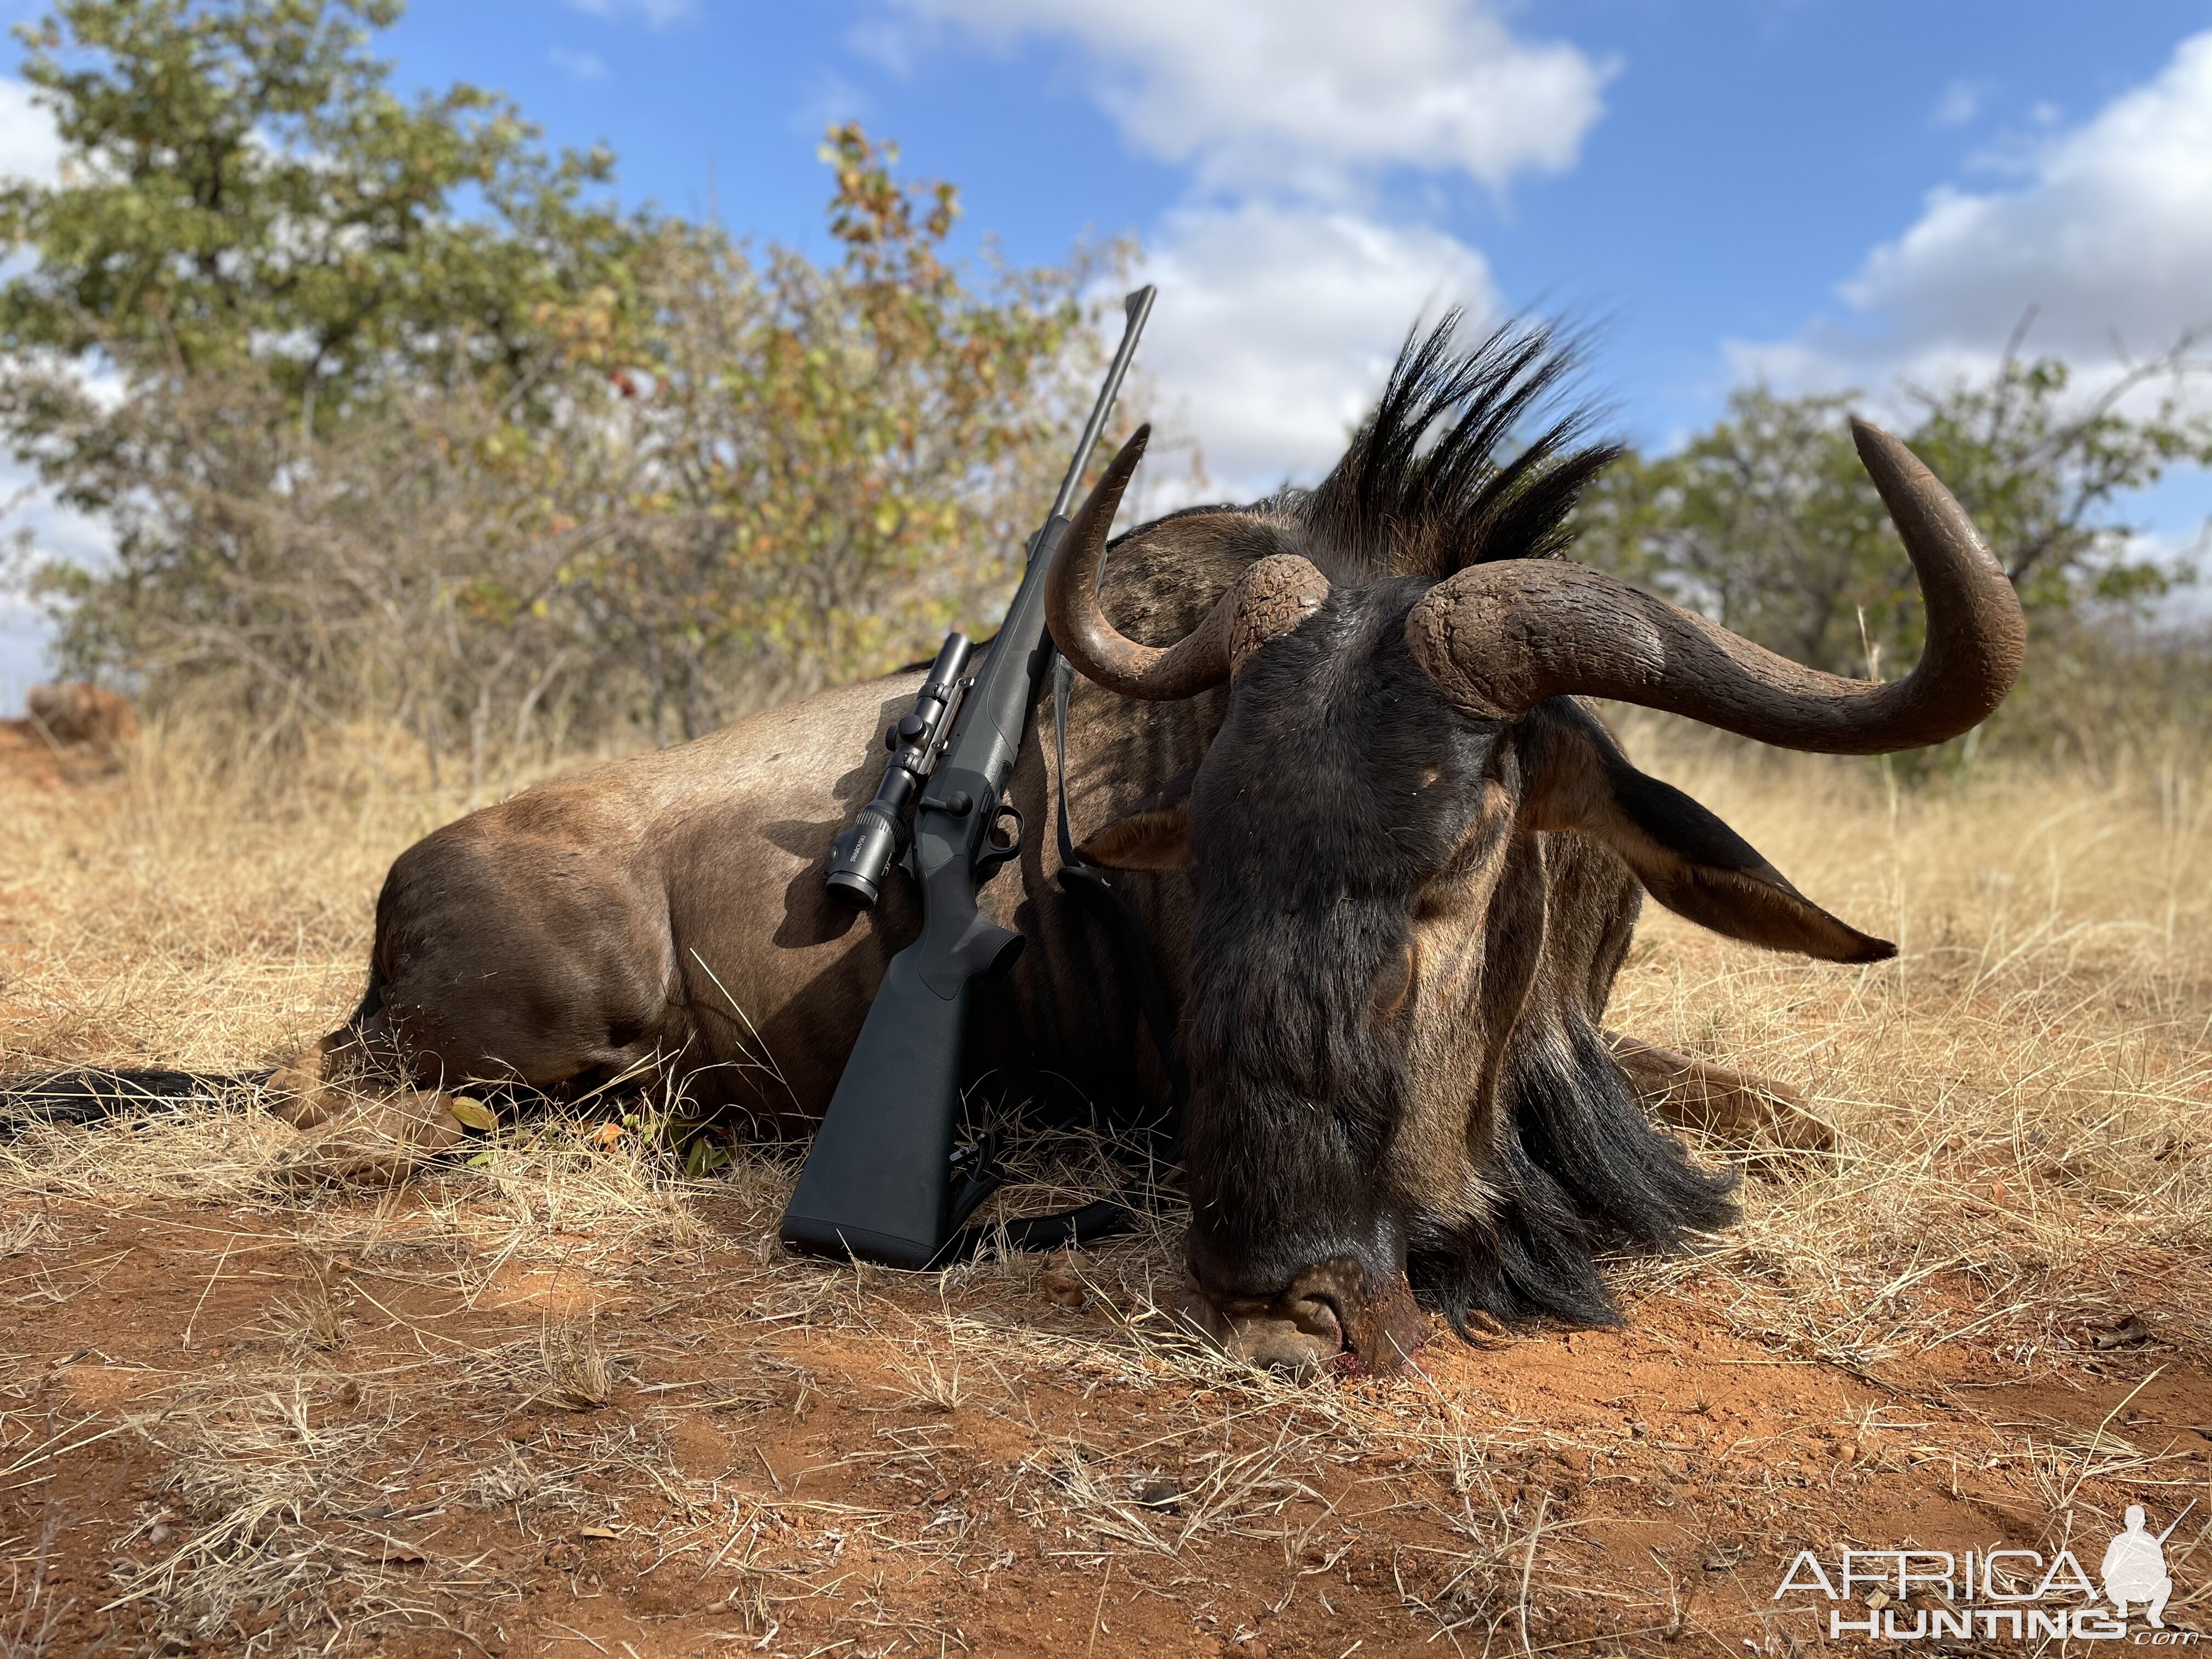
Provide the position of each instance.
(1394, 980)
(1430, 775)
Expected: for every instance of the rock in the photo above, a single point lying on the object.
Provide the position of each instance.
(1062, 1279)
(1161, 1495)
(2128, 1331)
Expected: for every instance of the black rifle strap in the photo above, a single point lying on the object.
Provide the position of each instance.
(1088, 886)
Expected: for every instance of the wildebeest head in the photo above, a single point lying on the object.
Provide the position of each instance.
(1404, 928)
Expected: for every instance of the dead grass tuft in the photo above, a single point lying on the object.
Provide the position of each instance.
(565, 1365)
(2021, 1093)
(36, 1629)
(283, 1514)
(580, 1376)
(308, 1322)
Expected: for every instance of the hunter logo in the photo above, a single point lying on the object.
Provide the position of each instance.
(2014, 1593)
(2135, 1568)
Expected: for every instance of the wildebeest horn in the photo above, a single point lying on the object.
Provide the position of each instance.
(1500, 638)
(1272, 597)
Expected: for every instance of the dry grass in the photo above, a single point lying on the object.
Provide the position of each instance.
(208, 908)
(606, 1354)
(2025, 1093)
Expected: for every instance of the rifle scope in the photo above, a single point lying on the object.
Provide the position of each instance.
(860, 854)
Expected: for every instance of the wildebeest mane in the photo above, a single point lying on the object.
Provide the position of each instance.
(1431, 481)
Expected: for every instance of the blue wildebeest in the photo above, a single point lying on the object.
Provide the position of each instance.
(1389, 857)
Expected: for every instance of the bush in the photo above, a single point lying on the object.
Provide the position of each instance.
(539, 471)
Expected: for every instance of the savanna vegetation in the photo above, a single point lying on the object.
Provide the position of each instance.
(396, 418)
(429, 467)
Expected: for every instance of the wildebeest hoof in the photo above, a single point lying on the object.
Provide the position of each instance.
(380, 1144)
(296, 1093)
(1731, 1106)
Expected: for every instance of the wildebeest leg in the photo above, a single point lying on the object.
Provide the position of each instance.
(364, 1121)
(1730, 1105)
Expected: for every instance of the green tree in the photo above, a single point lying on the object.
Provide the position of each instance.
(243, 186)
(254, 246)
(841, 461)
(390, 416)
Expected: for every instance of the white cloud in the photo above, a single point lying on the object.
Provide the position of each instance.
(1960, 102)
(30, 146)
(658, 13)
(582, 65)
(1314, 96)
(1275, 327)
(56, 532)
(1284, 295)
(23, 637)
(2107, 235)
(30, 149)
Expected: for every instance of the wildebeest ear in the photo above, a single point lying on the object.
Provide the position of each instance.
(1685, 856)
(1144, 841)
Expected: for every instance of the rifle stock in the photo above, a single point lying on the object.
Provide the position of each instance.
(877, 1187)
(876, 1180)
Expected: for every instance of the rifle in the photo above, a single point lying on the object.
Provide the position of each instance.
(877, 1180)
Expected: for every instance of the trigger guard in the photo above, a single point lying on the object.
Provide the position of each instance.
(990, 855)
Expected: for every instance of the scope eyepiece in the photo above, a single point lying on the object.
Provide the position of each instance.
(860, 855)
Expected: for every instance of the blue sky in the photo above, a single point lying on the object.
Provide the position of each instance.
(1709, 180)
(1826, 194)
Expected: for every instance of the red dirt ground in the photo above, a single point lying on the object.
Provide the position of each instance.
(1676, 1464)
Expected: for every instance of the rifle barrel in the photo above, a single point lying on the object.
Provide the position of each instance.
(1135, 308)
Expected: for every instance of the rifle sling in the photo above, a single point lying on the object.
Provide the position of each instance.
(1089, 887)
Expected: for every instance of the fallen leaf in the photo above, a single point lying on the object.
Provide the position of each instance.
(472, 1114)
(595, 1532)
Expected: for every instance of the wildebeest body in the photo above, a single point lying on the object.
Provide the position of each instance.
(1388, 861)
(672, 906)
